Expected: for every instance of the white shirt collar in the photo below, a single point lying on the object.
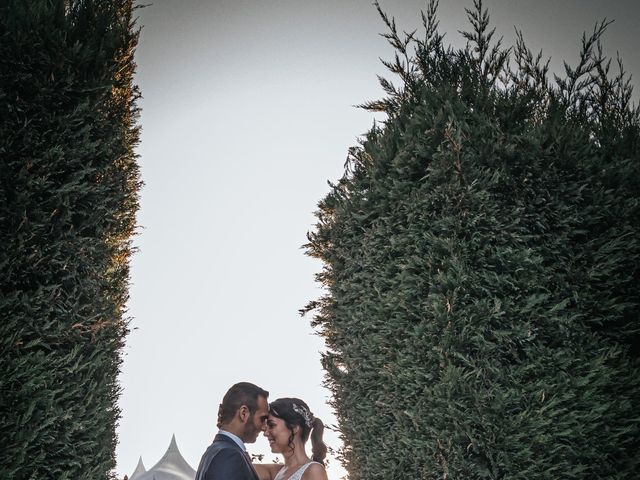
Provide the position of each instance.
(235, 438)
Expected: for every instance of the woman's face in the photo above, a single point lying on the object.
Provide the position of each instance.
(278, 435)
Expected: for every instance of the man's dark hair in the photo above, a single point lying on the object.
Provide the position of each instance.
(243, 393)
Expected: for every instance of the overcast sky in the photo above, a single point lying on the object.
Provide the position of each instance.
(247, 112)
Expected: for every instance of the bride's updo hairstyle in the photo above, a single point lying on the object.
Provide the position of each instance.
(295, 412)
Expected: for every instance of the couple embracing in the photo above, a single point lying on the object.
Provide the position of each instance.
(286, 422)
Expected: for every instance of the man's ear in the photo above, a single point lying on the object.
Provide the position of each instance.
(244, 413)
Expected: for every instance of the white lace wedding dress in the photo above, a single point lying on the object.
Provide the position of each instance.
(297, 475)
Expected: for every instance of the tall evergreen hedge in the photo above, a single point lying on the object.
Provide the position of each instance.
(68, 197)
(482, 267)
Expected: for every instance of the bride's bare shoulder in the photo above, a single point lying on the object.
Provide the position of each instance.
(315, 471)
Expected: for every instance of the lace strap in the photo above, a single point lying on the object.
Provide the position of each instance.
(297, 475)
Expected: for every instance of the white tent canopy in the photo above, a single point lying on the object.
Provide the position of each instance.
(139, 470)
(172, 466)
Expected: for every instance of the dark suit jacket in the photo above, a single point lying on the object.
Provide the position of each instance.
(225, 460)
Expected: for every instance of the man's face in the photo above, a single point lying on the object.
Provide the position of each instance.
(257, 422)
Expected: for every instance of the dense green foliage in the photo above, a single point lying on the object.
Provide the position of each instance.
(481, 264)
(68, 197)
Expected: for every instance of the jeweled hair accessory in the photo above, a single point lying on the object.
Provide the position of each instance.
(306, 414)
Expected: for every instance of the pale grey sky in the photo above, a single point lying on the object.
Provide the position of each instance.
(247, 112)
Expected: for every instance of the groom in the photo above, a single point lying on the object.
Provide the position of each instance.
(241, 417)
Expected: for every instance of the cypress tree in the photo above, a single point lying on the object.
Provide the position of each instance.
(481, 267)
(68, 197)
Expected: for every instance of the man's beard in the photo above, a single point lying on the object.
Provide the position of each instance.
(250, 432)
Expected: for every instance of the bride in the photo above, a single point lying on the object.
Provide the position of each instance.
(289, 426)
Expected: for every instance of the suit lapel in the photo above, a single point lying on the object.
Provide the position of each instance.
(253, 470)
(223, 438)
